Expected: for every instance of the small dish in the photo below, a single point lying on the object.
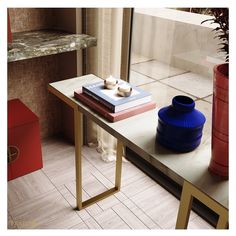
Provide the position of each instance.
(124, 91)
(110, 83)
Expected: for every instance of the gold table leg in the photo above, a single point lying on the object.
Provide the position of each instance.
(188, 192)
(78, 132)
(78, 163)
(119, 155)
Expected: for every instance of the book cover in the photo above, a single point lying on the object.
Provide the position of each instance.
(112, 100)
(113, 117)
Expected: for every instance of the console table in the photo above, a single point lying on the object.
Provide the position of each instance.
(188, 169)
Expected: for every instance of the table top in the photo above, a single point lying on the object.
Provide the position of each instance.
(191, 166)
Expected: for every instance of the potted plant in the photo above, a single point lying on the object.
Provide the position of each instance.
(219, 159)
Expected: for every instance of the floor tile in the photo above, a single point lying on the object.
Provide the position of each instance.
(10, 222)
(141, 214)
(81, 225)
(60, 168)
(108, 184)
(110, 220)
(159, 206)
(191, 83)
(136, 58)
(129, 218)
(108, 202)
(140, 204)
(112, 200)
(92, 186)
(92, 224)
(120, 196)
(87, 212)
(130, 173)
(208, 99)
(138, 79)
(70, 198)
(137, 186)
(94, 158)
(27, 187)
(156, 70)
(102, 179)
(199, 223)
(51, 145)
(162, 94)
(46, 211)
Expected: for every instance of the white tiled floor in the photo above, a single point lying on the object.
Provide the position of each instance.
(139, 79)
(183, 82)
(28, 191)
(164, 82)
(191, 83)
(208, 98)
(156, 70)
(136, 58)
(47, 210)
(162, 94)
(141, 203)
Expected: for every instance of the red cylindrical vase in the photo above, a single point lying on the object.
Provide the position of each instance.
(9, 35)
(220, 117)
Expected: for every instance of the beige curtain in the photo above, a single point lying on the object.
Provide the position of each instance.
(103, 60)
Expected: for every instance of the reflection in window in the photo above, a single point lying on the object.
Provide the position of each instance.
(173, 53)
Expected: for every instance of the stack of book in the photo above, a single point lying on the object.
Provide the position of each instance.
(110, 105)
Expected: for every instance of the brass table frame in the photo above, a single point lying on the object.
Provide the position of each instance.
(188, 193)
(78, 128)
(78, 134)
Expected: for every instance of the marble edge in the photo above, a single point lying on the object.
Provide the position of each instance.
(27, 47)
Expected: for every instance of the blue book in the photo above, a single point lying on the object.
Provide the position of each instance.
(112, 100)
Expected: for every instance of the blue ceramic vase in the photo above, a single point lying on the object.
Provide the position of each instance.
(180, 125)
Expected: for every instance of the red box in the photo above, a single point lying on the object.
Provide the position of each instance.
(24, 147)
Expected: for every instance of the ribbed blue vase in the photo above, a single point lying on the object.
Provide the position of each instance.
(180, 125)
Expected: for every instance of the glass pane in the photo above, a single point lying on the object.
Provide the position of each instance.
(173, 53)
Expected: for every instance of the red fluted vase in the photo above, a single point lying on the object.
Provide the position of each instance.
(220, 139)
(9, 35)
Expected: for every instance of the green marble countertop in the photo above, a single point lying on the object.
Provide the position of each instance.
(31, 44)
